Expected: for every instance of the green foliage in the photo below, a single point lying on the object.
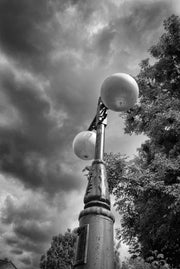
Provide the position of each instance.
(115, 164)
(138, 263)
(117, 262)
(148, 193)
(157, 260)
(61, 253)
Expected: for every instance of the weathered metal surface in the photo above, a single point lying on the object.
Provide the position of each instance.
(82, 245)
(96, 210)
(100, 242)
(96, 213)
(101, 116)
(97, 188)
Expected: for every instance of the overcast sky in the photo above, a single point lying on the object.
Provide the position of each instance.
(54, 56)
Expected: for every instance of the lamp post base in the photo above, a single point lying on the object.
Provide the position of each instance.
(95, 242)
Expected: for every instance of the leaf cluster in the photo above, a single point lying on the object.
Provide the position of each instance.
(148, 193)
(61, 253)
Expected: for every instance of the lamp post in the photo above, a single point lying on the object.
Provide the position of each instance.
(95, 248)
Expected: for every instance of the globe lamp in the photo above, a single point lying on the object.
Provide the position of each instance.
(84, 145)
(119, 92)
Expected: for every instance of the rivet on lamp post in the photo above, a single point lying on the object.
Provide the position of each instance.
(95, 248)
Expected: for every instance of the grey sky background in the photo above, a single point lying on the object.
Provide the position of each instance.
(54, 56)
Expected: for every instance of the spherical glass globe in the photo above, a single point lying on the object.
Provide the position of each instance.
(119, 92)
(84, 145)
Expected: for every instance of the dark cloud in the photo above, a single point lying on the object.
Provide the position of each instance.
(32, 230)
(31, 150)
(103, 42)
(136, 28)
(30, 31)
(11, 240)
(32, 226)
(16, 251)
(141, 21)
(31, 247)
(26, 260)
(86, 8)
(25, 30)
(33, 110)
(48, 117)
(30, 223)
(28, 211)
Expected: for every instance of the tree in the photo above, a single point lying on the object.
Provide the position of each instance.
(140, 263)
(61, 253)
(148, 192)
(135, 264)
(117, 260)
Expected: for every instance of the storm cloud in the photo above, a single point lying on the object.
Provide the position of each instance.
(54, 55)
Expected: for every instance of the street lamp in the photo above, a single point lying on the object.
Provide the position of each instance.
(119, 92)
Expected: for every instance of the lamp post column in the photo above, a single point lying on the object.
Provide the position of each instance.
(95, 232)
(119, 92)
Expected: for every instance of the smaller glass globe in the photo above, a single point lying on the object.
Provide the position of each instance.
(119, 92)
(84, 145)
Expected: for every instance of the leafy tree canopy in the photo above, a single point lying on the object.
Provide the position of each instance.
(139, 263)
(148, 193)
(61, 253)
